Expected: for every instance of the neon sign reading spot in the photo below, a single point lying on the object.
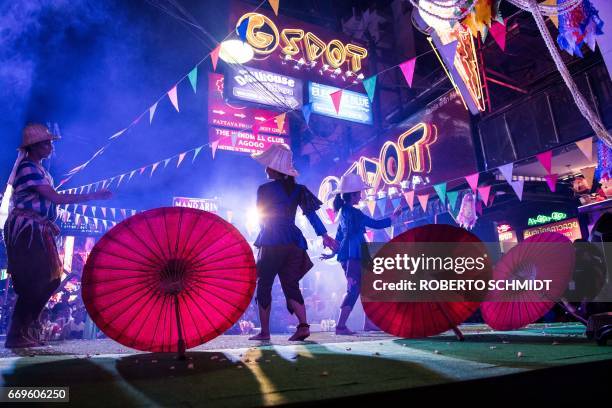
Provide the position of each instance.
(395, 163)
(264, 36)
(545, 219)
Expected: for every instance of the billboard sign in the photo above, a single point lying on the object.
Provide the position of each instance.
(242, 141)
(206, 204)
(264, 87)
(354, 107)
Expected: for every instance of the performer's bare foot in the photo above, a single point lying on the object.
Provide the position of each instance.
(260, 337)
(301, 333)
(344, 331)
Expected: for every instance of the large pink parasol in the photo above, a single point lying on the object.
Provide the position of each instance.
(546, 256)
(168, 279)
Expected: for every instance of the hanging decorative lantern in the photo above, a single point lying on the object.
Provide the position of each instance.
(467, 213)
(439, 14)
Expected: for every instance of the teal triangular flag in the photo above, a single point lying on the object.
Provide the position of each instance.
(441, 190)
(242, 29)
(370, 86)
(306, 111)
(452, 198)
(193, 78)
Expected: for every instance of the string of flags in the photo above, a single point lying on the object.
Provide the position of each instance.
(447, 200)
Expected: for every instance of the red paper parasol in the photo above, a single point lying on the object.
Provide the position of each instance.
(168, 279)
(544, 256)
(422, 319)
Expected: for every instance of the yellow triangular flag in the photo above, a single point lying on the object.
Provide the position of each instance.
(274, 5)
(586, 147)
(280, 122)
(371, 206)
(588, 173)
(554, 19)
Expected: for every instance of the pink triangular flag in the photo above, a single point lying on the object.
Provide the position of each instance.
(545, 160)
(103, 211)
(517, 186)
(551, 180)
(173, 98)
(213, 147)
(484, 192)
(423, 198)
(586, 147)
(498, 31)
(142, 169)
(407, 68)
(336, 97)
(472, 180)
(113, 213)
(180, 159)
(153, 168)
(370, 236)
(409, 195)
(331, 214)
(214, 56)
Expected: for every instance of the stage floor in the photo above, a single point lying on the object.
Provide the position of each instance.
(231, 371)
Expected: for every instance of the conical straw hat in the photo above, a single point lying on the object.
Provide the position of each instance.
(278, 157)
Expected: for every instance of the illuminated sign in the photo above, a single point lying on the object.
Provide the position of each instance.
(355, 107)
(223, 114)
(545, 219)
(395, 163)
(463, 71)
(206, 204)
(503, 228)
(267, 88)
(241, 141)
(265, 38)
(570, 228)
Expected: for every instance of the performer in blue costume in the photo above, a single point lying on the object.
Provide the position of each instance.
(282, 247)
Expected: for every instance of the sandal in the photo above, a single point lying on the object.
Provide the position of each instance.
(301, 333)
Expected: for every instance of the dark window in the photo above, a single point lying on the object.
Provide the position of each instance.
(496, 142)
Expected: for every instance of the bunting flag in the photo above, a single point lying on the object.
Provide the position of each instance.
(95, 221)
(396, 202)
(506, 171)
(172, 95)
(274, 5)
(121, 177)
(105, 223)
(472, 180)
(448, 51)
(331, 214)
(545, 160)
(389, 231)
(103, 209)
(153, 168)
(83, 209)
(517, 186)
(498, 31)
(119, 133)
(423, 198)
(452, 198)
(370, 236)
(280, 122)
(196, 152)
(370, 86)
(241, 30)
(123, 212)
(193, 78)
(142, 170)
(214, 56)
(307, 111)
(588, 173)
(133, 212)
(113, 213)
(382, 205)
(152, 110)
(586, 147)
(213, 148)
(167, 161)
(551, 180)
(336, 97)
(181, 157)
(77, 219)
(409, 195)
(484, 192)
(86, 220)
(441, 190)
(371, 206)
(407, 68)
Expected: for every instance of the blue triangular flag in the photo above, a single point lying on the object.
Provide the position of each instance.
(370, 86)
(242, 29)
(452, 198)
(193, 78)
(307, 111)
(396, 202)
(382, 205)
(441, 190)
